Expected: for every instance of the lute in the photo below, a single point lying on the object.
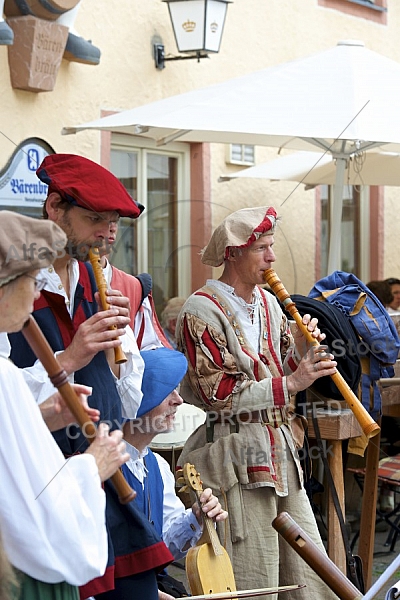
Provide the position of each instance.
(208, 566)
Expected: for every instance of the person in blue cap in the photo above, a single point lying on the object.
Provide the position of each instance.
(147, 472)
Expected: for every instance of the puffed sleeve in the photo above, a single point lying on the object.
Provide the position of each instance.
(52, 510)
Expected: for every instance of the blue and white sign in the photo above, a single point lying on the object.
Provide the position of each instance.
(19, 185)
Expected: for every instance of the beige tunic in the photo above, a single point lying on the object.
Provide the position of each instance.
(253, 467)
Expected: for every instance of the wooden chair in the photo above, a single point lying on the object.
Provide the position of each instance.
(389, 475)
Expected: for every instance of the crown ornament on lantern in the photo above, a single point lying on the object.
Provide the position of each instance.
(214, 26)
(189, 26)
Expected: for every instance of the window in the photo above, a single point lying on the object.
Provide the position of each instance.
(152, 243)
(373, 10)
(240, 154)
(355, 228)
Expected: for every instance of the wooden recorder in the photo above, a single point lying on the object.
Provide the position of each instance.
(367, 423)
(101, 283)
(315, 558)
(59, 379)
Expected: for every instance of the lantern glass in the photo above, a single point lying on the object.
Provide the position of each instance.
(198, 24)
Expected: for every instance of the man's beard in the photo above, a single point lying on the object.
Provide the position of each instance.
(80, 251)
(75, 248)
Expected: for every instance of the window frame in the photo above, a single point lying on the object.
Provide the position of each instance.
(232, 161)
(362, 227)
(376, 12)
(143, 147)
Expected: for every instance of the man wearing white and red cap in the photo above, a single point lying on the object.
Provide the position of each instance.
(244, 367)
(83, 199)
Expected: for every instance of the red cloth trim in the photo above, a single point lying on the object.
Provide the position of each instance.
(155, 557)
(254, 360)
(140, 335)
(212, 347)
(56, 303)
(256, 373)
(266, 225)
(226, 385)
(209, 297)
(98, 585)
(190, 346)
(255, 469)
(270, 344)
(292, 364)
(278, 391)
(157, 325)
(227, 382)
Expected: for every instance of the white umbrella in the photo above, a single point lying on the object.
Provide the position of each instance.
(341, 100)
(313, 168)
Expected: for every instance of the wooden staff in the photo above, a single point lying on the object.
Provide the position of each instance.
(59, 379)
(101, 283)
(315, 558)
(368, 425)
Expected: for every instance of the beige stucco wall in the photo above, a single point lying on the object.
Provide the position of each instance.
(258, 34)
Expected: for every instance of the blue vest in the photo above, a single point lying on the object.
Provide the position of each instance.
(150, 496)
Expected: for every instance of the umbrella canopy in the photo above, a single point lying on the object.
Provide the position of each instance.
(313, 168)
(340, 100)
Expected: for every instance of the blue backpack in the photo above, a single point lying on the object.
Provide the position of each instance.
(379, 340)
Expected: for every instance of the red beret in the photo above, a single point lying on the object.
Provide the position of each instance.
(84, 183)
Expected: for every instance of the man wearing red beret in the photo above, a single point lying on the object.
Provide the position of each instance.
(83, 199)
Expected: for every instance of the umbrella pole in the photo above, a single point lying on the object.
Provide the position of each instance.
(335, 239)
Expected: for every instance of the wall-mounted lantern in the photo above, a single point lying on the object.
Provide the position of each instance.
(198, 27)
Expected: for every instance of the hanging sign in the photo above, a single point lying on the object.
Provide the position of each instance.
(19, 185)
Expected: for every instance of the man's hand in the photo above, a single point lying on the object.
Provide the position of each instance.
(315, 364)
(116, 299)
(109, 451)
(93, 336)
(57, 415)
(210, 506)
(302, 345)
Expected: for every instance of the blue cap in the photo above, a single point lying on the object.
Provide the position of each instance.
(164, 369)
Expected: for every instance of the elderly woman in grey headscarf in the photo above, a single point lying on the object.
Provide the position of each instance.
(52, 511)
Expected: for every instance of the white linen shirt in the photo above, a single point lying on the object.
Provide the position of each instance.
(52, 511)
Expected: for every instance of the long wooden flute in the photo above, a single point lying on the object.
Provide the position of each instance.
(101, 283)
(59, 379)
(315, 558)
(367, 423)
